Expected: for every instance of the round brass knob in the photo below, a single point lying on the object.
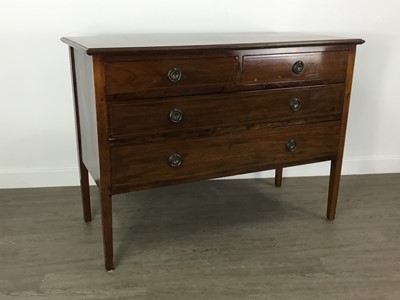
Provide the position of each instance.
(295, 104)
(291, 145)
(175, 160)
(175, 115)
(298, 67)
(174, 75)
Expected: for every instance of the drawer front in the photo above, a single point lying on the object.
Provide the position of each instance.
(296, 105)
(149, 165)
(162, 75)
(316, 67)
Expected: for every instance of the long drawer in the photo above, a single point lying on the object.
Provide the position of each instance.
(183, 160)
(296, 105)
(315, 67)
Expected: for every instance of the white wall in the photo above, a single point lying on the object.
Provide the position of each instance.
(37, 145)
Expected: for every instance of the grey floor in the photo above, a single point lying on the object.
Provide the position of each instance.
(237, 239)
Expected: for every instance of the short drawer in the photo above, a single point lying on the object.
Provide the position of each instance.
(316, 67)
(163, 75)
(290, 106)
(183, 160)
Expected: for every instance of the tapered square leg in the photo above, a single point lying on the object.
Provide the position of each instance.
(85, 192)
(106, 219)
(334, 181)
(278, 177)
(83, 172)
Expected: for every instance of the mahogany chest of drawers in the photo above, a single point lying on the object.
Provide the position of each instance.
(155, 110)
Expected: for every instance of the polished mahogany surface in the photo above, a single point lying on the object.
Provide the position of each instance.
(156, 110)
(134, 42)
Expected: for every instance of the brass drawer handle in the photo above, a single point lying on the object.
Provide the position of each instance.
(295, 104)
(175, 160)
(174, 75)
(298, 67)
(175, 115)
(291, 145)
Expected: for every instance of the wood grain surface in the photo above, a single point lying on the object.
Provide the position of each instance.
(128, 43)
(146, 165)
(123, 99)
(147, 75)
(151, 116)
(319, 67)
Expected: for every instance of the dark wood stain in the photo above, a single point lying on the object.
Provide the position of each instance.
(336, 164)
(236, 95)
(144, 166)
(326, 67)
(138, 76)
(317, 103)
